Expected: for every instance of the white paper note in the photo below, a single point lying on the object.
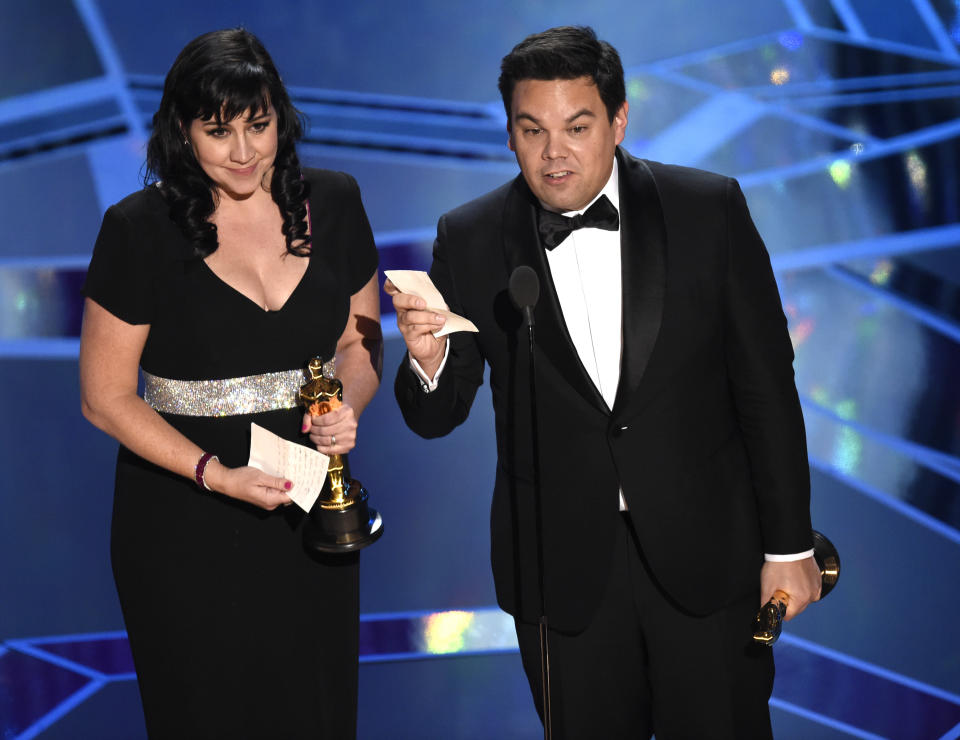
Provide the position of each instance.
(305, 467)
(418, 283)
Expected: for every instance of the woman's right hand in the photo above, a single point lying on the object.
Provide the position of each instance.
(248, 484)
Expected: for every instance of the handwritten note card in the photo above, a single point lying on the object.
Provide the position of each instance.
(305, 467)
(418, 283)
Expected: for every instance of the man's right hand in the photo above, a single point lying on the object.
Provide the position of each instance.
(417, 325)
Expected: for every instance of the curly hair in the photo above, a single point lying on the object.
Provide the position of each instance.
(221, 75)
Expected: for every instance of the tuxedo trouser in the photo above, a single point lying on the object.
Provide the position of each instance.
(643, 665)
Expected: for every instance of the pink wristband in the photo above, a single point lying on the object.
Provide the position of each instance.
(201, 466)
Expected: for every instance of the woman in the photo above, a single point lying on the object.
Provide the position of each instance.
(221, 279)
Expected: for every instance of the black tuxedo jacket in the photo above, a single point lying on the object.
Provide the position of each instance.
(706, 436)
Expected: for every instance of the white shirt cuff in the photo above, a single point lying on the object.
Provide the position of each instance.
(430, 384)
(787, 558)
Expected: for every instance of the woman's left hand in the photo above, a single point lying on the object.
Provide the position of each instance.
(333, 433)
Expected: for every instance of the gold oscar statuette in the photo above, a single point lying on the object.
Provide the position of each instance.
(769, 621)
(340, 520)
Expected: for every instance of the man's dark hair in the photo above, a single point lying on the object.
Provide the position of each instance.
(565, 53)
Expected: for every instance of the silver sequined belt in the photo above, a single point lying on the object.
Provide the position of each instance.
(251, 394)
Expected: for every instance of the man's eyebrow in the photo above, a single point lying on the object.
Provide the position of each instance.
(571, 119)
(582, 112)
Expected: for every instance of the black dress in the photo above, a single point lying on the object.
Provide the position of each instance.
(236, 632)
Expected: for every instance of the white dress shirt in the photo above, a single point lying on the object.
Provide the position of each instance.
(585, 268)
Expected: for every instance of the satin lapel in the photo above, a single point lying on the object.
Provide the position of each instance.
(643, 259)
(522, 247)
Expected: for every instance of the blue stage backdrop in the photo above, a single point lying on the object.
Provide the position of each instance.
(839, 118)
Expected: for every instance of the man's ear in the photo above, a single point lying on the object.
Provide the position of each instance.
(510, 138)
(620, 122)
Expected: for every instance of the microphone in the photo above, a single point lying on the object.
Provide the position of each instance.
(524, 289)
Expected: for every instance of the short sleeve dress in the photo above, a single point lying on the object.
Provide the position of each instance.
(236, 630)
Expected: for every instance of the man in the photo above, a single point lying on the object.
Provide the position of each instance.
(672, 448)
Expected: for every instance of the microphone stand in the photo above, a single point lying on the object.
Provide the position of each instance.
(524, 289)
(538, 507)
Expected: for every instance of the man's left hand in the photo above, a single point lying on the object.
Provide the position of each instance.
(800, 579)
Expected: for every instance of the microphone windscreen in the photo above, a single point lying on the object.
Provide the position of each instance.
(524, 287)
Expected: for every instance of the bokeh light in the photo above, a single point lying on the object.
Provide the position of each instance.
(445, 631)
(917, 171)
(841, 172)
(880, 275)
(638, 90)
(847, 450)
(791, 40)
(780, 75)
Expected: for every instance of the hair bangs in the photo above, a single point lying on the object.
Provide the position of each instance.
(239, 90)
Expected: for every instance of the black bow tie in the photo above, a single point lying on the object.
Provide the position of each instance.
(554, 227)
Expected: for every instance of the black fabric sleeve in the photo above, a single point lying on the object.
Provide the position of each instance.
(120, 277)
(759, 358)
(362, 258)
(438, 412)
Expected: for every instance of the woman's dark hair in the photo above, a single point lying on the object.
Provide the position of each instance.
(222, 75)
(565, 53)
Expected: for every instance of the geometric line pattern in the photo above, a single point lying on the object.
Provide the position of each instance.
(55, 674)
